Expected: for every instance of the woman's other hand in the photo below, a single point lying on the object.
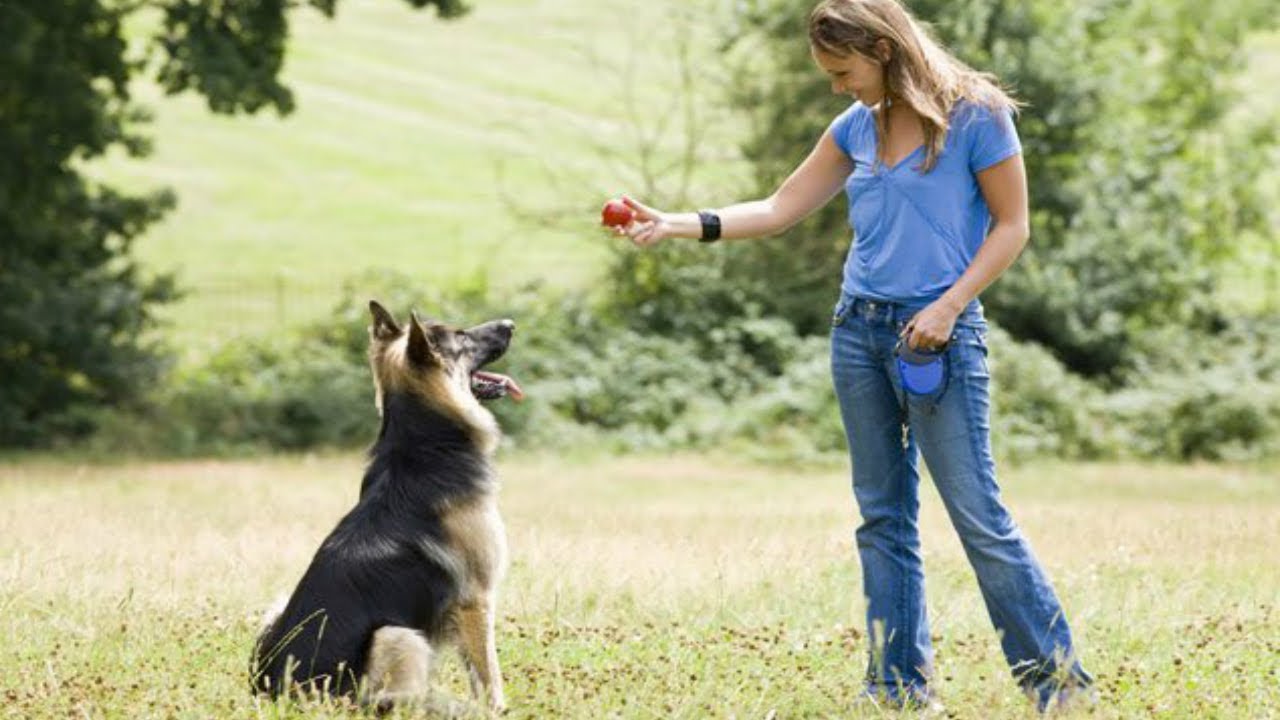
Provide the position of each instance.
(931, 328)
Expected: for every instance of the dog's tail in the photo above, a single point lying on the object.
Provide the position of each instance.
(266, 625)
(272, 613)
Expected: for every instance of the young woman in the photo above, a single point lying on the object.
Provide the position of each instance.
(931, 163)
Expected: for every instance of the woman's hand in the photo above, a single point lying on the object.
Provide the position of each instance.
(648, 227)
(931, 328)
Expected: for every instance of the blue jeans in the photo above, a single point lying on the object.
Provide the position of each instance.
(887, 430)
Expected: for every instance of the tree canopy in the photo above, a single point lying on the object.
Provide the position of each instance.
(75, 307)
(1141, 180)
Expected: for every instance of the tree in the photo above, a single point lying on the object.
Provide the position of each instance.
(1138, 184)
(75, 307)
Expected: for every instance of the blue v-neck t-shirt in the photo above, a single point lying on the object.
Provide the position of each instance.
(914, 234)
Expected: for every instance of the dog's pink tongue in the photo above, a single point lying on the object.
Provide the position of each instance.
(512, 387)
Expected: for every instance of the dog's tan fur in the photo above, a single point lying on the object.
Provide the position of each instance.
(477, 531)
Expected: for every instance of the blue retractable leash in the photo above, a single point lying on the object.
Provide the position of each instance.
(921, 373)
(921, 370)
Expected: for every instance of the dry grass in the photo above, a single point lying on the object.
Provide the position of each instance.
(674, 587)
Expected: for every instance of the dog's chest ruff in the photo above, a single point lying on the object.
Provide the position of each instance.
(475, 532)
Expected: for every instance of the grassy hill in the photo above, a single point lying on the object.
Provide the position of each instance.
(417, 144)
(451, 149)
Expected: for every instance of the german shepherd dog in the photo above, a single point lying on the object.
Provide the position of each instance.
(416, 563)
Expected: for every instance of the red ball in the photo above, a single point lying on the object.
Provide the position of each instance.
(617, 214)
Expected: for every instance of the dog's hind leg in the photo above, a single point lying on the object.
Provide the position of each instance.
(398, 667)
(398, 673)
(475, 631)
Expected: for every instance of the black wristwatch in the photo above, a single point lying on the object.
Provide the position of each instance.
(710, 226)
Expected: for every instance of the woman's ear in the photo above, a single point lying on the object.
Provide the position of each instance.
(884, 51)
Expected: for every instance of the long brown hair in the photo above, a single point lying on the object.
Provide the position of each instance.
(919, 72)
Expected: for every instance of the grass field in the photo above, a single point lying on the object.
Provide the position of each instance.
(640, 588)
(417, 144)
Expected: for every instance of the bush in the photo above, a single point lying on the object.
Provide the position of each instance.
(1137, 165)
(587, 380)
(1213, 398)
(282, 393)
(794, 414)
(749, 383)
(1206, 416)
(1039, 408)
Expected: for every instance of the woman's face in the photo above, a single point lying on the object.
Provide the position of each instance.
(852, 74)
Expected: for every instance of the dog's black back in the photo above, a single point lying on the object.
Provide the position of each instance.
(386, 563)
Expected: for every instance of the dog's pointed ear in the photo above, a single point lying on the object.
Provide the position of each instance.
(384, 326)
(421, 349)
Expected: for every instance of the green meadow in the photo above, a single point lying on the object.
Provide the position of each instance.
(676, 587)
(466, 151)
(454, 151)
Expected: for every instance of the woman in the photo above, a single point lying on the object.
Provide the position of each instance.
(931, 163)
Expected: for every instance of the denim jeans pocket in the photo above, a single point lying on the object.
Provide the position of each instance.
(841, 311)
(974, 338)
